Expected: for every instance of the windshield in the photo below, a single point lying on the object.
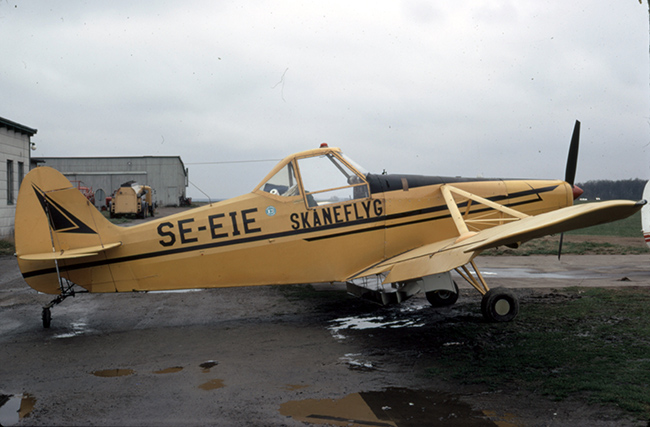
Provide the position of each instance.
(283, 183)
(363, 171)
(325, 180)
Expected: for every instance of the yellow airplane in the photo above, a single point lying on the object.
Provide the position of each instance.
(316, 217)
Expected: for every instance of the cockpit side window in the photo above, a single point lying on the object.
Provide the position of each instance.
(326, 180)
(284, 183)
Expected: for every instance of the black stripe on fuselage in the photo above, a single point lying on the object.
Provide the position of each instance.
(434, 209)
(243, 240)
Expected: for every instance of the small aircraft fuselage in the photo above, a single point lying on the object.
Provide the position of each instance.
(316, 217)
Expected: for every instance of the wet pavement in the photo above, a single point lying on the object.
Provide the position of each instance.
(266, 356)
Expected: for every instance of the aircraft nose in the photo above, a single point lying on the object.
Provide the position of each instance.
(577, 192)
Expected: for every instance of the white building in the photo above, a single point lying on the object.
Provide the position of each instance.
(15, 144)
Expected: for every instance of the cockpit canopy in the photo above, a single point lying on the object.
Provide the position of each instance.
(323, 176)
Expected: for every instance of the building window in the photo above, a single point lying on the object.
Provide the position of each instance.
(21, 173)
(10, 182)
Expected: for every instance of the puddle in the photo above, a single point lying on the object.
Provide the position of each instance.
(412, 306)
(372, 322)
(106, 373)
(530, 273)
(78, 328)
(212, 384)
(208, 365)
(393, 407)
(15, 408)
(351, 359)
(171, 370)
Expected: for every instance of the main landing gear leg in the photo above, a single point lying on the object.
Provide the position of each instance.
(498, 304)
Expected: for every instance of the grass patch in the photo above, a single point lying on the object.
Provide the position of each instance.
(7, 248)
(627, 227)
(591, 343)
(550, 245)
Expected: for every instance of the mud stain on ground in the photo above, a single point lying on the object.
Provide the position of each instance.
(294, 387)
(109, 373)
(212, 385)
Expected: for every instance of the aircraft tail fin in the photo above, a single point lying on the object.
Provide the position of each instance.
(54, 221)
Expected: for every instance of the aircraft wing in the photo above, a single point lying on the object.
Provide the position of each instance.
(429, 259)
(448, 254)
(70, 253)
(559, 221)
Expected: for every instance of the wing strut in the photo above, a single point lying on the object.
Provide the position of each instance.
(475, 279)
(457, 217)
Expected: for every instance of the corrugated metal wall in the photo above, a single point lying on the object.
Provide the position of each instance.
(166, 175)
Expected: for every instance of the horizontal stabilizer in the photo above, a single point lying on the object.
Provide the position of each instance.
(70, 253)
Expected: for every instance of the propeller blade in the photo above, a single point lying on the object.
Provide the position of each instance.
(572, 160)
(570, 175)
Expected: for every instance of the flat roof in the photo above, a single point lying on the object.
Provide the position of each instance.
(17, 127)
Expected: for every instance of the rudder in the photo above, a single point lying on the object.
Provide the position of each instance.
(53, 218)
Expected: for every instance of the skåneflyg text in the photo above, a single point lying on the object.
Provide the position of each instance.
(242, 222)
(337, 214)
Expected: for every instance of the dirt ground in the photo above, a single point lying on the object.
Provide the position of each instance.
(270, 356)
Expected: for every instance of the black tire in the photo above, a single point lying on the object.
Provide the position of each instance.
(47, 317)
(499, 305)
(442, 297)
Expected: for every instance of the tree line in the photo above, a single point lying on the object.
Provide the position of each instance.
(631, 189)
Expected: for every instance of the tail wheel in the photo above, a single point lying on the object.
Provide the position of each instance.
(442, 297)
(47, 317)
(499, 305)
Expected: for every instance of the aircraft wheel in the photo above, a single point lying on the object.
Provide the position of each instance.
(47, 317)
(499, 305)
(442, 297)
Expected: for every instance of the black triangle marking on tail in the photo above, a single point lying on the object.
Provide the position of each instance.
(60, 219)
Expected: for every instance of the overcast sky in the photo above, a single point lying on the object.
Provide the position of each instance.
(475, 88)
